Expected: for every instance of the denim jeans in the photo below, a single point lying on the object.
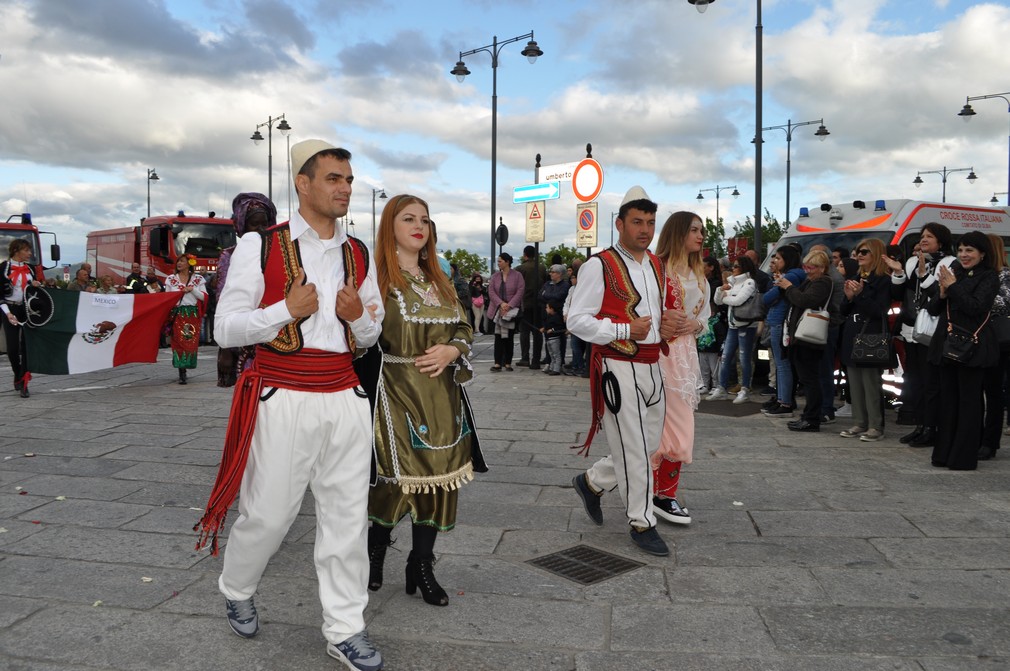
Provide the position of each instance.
(741, 339)
(783, 367)
(578, 354)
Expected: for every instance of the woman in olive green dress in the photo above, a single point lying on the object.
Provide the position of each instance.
(424, 434)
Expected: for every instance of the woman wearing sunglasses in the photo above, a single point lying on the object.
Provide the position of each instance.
(867, 300)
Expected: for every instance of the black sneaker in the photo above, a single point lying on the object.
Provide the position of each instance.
(770, 403)
(649, 541)
(590, 500)
(242, 617)
(523, 363)
(828, 419)
(768, 391)
(779, 410)
(670, 510)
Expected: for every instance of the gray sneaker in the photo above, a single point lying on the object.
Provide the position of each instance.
(357, 652)
(242, 617)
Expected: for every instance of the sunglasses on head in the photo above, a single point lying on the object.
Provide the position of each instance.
(862, 252)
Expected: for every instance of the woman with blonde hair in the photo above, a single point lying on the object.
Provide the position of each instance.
(995, 377)
(813, 292)
(687, 300)
(425, 438)
(866, 304)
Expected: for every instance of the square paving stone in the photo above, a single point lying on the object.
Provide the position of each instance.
(888, 631)
(844, 525)
(745, 586)
(167, 455)
(162, 472)
(62, 465)
(85, 582)
(593, 661)
(15, 608)
(80, 487)
(779, 552)
(530, 622)
(690, 628)
(512, 516)
(111, 546)
(498, 491)
(977, 524)
(86, 513)
(925, 588)
(950, 553)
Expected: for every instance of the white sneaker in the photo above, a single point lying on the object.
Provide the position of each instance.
(844, 411)
(718, 394)
(743, 396)
(703, 390)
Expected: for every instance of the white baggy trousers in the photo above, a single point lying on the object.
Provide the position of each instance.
(317, 440)
(633, 435)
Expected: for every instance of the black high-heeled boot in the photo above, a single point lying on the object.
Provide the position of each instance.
(420, 574)
(379, 541)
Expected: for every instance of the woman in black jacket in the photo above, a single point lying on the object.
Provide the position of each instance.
(814, 292)
(967, 291)
(867, 300)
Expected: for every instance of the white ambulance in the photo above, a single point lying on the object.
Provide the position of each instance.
(895, 222)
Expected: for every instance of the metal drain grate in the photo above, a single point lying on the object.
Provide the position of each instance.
(585, 565)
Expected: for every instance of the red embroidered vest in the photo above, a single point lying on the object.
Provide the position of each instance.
(280, 261)
(621, 299)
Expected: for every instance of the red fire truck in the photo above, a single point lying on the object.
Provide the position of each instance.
(159, 242)
(20, 226)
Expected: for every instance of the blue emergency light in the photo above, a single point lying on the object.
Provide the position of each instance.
(804, 212)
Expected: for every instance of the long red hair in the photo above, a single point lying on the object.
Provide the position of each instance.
(387, 268)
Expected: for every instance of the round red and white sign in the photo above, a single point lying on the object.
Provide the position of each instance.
(587, 180)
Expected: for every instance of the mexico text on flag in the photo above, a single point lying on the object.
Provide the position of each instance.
(95, 331)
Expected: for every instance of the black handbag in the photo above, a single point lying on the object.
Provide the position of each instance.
(1002, 329)
(872, 349)
(751, 310)
(961, 343)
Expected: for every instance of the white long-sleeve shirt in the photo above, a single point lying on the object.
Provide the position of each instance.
(587, 299)
(240, 321)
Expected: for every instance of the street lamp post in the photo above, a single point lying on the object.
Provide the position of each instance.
(967, 113)
(257, 137)
(718, 189)
(152, 176)
(788, 129)
(701, 6)
(531, 52)
(943, 173)
(994, 200)
(383, 196)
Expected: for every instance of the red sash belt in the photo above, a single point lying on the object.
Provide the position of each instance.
(647, 354)
(308, 370)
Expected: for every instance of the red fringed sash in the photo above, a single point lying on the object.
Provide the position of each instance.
(646, 354)
(309, 370)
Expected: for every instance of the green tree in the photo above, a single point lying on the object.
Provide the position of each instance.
(568, 254)
(468, 262)
(771, 231)
(715, 238)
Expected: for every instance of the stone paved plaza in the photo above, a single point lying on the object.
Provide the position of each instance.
(808, 551)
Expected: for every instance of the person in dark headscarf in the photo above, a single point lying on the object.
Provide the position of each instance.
(250, 212)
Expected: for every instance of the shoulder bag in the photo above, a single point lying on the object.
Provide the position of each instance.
(960, 343)
(872, 349)
(751, 310)
(812, 328)
(925, 323)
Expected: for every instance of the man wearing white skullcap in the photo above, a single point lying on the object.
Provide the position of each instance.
(305, 294)
(618, 307)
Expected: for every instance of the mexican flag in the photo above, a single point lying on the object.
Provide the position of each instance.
(94, 331)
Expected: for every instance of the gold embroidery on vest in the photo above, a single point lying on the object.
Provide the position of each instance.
(289, 338)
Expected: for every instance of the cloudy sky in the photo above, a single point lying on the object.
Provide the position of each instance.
(97, 92)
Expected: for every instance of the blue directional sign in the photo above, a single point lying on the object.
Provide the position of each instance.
(534, 192)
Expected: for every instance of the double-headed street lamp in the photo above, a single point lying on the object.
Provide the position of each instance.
(152, 176)
(967, 113)
(788, 129)
(943, 173)
(383, 196)
(701, 6)
(257, 137)
(531, 52)
(718, 189)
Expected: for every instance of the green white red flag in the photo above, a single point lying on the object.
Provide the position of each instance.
(91, 331)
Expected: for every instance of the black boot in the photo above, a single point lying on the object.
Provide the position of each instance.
(182, 376)
(378, 542)
(419, 573)
(985, 452)
(909, 437)
(926, 439)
